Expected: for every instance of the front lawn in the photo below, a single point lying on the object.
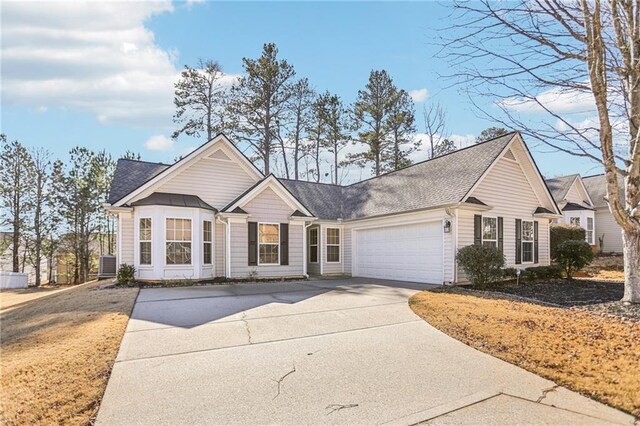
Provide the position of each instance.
(594, 355)
(57, 354)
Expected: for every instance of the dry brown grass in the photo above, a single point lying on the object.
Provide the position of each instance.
(57, 353)
(609, 268)
(593, 355)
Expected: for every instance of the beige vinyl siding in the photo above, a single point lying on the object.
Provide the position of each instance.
(219, 249)
(346, 250)
(606, 225)
(270, 208)
(507, 190)
(314, 268)
(573, 195)
(126, 238)
(216, 182)
(331, 268)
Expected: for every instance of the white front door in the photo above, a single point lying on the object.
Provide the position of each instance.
(404, 253)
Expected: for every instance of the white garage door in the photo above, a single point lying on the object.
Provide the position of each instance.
(404, 253)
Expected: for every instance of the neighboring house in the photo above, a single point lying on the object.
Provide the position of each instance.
(576, 204)
(6, 260)
(608, 232)
(213, 214)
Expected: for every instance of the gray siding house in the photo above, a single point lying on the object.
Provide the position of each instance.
(213, 214)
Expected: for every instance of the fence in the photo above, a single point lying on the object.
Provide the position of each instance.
(13, 280)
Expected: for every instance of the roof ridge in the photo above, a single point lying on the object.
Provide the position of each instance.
(144, 161)
(335, 185)
(592, 176)
(565, 176)
(434, 158)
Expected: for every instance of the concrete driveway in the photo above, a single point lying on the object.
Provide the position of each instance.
(343, 351)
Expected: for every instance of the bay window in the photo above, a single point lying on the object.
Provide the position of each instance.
(144, 236)
(178, 241)
(207, 252)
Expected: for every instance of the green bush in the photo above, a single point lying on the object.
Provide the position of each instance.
(482, 264)
(560, 232)
(573, 255)
(543, 272)
(510, 273)
(126, 274)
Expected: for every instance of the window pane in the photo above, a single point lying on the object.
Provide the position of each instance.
(333, 253)
(268, 253)
(206, 230)
(313, 253)
(489, 228)
(178, 253)
(145, 229)
(527, 252)
(575, 221)
(186, 229)
(313, 236)
(145, 253)
(170, 225)
(333, 236)
(269, 233)
(527, 231)
(490, 243)
(207, 253)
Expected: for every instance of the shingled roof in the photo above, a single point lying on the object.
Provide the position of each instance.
(440, 181)
(174, 200)
(597, 187)
(131, 174)
(559, 186)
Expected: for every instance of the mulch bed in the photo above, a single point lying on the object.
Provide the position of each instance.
(597, 297)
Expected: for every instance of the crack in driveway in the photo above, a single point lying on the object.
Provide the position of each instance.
(281, 379)
(546, 391)
(246, 326)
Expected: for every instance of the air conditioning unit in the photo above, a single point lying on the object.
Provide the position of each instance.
(107, 267)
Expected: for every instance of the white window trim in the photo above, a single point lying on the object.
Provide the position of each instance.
(532, 241)
(145, 265)
(316, 245)
(339, 245)
(268, 244)
(207, 242)
(590, 232)
(177, 265)
(482, 239)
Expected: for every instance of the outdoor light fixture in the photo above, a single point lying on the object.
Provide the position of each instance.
(447, 226)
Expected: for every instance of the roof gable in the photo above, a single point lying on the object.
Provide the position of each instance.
(129, 189)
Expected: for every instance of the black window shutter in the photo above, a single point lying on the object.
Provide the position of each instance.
(518, 241)
(477, 229)
(284, 243)
(253, 243)
(500, 235)
(535, 241)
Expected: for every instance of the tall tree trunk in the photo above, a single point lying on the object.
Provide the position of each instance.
(318, 160)
(631, 242)
(335, 162)
(16, 242)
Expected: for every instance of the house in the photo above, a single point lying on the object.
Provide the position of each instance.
(576, 204)
(582, 202)
(214, 214)
(608, 232)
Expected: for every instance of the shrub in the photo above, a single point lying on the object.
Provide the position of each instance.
(510, 273)
(126, 274)
(560, 232)
(482, 264)
(573, 255)
(544, 272)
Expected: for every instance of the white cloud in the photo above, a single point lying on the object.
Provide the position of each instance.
(159, 143)
(419, 95)
(555, 100)
(97, 57)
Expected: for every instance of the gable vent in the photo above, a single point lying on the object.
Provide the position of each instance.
(219, 155)
(509, 155)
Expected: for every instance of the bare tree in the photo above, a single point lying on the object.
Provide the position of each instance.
(198, 99)
(435, 123)
(528, 54)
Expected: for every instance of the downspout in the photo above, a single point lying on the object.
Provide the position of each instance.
(227, 247)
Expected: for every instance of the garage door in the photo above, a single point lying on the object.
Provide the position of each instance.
(405, 253)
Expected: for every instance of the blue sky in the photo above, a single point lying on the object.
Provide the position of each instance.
(101, 75)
